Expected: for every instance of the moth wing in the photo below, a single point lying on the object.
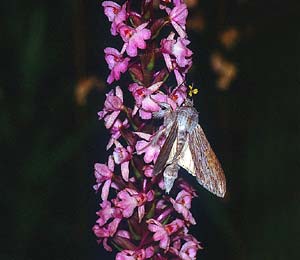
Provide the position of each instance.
(186, 160)
(199, 159)
(166, 149)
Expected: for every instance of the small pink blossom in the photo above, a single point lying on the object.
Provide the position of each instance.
(180, 77)
(103, 233)
(180, 73)
(123, 234)
(178, 2)
(103, 175)
(148, 171)
(123, 156)
(162, 232)
(107, 212)
(126, 202)
(179, 94)
(144, 100)
(134, 38)
(182, 204)
(140, 254)
(115, 131)
(182, 184)
(177, 48)
(112, 107)
(148, 147)
(116, 63)
(148, 100)
(129, 199)
(115, 13)
(189, 250)
(178, 17)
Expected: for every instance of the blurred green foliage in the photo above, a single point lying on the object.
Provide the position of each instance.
(44, 135)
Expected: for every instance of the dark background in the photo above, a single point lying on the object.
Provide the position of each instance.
(49, 142)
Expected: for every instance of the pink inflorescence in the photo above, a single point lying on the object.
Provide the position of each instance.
(136, 216)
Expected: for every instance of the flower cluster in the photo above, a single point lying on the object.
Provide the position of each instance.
(136, 216)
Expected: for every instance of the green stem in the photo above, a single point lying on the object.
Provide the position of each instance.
(125, 109)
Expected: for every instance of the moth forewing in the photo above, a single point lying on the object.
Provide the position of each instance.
(208, 170)
(165, 151)
(213, 178)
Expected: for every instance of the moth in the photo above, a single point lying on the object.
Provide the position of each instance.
(186, 146)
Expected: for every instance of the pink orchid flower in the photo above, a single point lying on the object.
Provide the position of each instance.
(179, 94)
(178, 17)
(129, 199)
(116, 63)
(148, 99)
(115, 131)
(112, 107)
(189, 250)
(178, 2)
(182, 204)
(103, 175)
(182, 184)
(180, 77)
(115, 13)
(177, 48)
(148, 171)
(180, 73)
(145, 99)
(151, 149)
(140, 254)
(134, 38)
(103, 233)
(107, 212)
(162, 233)
(123, 156)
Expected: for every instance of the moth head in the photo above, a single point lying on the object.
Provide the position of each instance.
(188, 103)
(165, 109)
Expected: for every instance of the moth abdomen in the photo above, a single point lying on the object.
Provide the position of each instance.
(170, 175)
